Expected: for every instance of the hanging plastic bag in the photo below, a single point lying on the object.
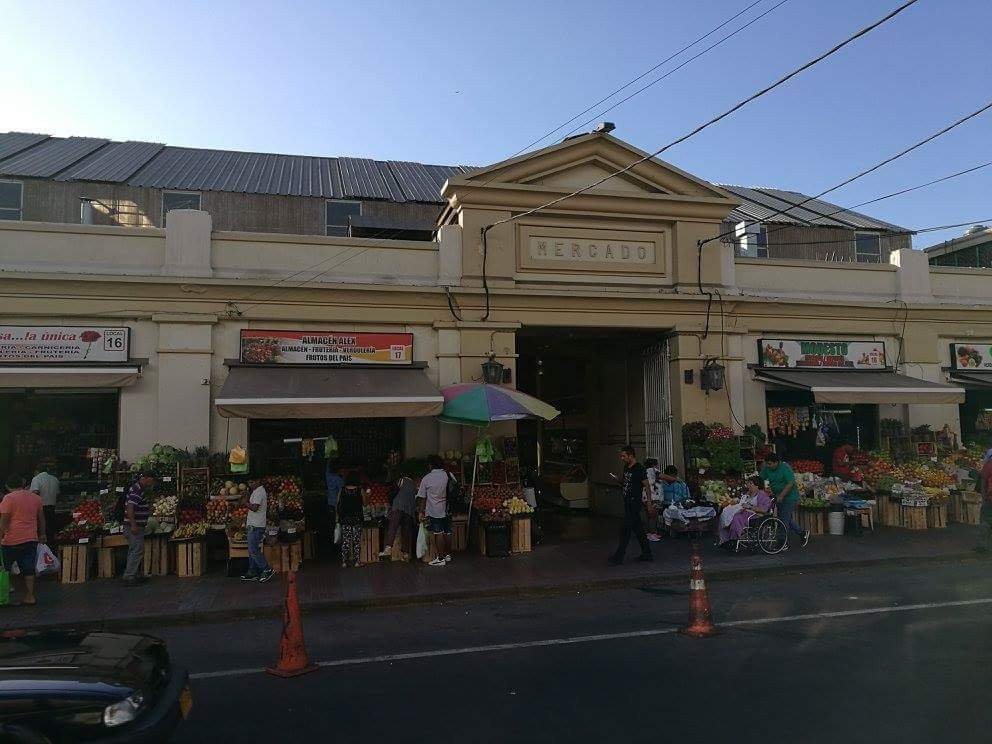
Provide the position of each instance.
(422, 541)
(485, 450)
(330, 447)
(337, 534)
(47, 561)
(238, 459)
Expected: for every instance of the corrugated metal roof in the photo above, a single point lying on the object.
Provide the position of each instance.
(48, 158)
(762, 203)
(369, 179)
(14, 142)
(845, 216)
(114, 163)
(422, 182)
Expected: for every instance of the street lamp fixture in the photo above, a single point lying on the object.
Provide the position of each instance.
(492, 371)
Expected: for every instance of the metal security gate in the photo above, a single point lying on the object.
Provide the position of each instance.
(657, 411)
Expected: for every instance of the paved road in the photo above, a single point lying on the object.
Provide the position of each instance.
(607, 665)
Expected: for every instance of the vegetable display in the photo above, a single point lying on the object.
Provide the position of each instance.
(807, 466)
(517, 505)
(190, 531)
(88, 512)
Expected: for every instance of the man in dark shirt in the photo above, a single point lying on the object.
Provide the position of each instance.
(636, 493)
(136, 511)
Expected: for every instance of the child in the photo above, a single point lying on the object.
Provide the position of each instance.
(655, 482)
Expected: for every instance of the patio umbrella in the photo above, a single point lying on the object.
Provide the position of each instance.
(478, 404)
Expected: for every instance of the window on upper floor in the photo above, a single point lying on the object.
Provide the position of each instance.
(868, 247)
(11, 200)
(337, 216)
(761, 242)
(178, 200)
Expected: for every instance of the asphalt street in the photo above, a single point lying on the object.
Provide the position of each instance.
(880, 655)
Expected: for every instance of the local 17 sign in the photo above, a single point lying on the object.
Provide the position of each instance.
(325, 347)
(806, 354)
(971, 356)
(62, 344)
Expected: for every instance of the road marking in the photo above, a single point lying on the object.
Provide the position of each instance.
(604, 637)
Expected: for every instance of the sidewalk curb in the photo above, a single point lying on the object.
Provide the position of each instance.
(275, 610)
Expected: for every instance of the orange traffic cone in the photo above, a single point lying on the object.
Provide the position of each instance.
(293, 659)
(700, 618)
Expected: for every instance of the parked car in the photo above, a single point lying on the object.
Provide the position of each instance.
(66, 686)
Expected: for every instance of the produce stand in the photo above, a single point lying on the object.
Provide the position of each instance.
(75, 561)
(191, 557)
(158, 556)
(520, 532)
(371, 543)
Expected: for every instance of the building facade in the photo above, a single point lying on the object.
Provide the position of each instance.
(610, 305)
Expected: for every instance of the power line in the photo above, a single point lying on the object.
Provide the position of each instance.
(676, 69)
(643, 75)
(893, 233)
(753, 97)
(863, 173)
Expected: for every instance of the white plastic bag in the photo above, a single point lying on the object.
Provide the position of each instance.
(47, 562)
(337, 534)
(422, 541)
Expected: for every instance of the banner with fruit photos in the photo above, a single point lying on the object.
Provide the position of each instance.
(325, 347)
(971, 356)
(814, 354)
(63, 344)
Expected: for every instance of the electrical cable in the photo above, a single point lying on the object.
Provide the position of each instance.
(675, 69)
(736, 107)
(643, 75)
(916, 231)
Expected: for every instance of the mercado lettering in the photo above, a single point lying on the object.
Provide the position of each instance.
(577, 250)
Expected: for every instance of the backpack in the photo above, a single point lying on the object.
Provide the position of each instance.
(453, 491)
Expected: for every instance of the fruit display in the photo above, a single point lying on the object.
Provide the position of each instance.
(491, 497)
(165, 507)
(112, 528)
(814, 503)
(237, 535)
(517, 505)
(376, 495)
(229, 489)
(218, 511)
(929, 474)
(719, 431)
(190, 531)
(238, 516)
(788, 421)
(73, 533)
(875, 470)
(807, 466)
(195, 483)
(88, 512)
(190, 513)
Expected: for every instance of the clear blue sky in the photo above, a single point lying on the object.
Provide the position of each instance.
(473, 81)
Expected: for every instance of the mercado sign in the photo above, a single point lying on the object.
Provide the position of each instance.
(325, 347)
(62, 344)
(580, 250)
(806, 354)
(971, 356)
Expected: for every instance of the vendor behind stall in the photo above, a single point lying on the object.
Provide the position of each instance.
(843, 466)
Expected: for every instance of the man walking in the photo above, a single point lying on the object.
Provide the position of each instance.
(782, 485)
(434, 493)
(258, 503)
(47, 486)
(136, 511)
(22, 522)
(334, 483)
(635, 491)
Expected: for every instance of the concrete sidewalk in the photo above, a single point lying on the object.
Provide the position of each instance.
(556, 567)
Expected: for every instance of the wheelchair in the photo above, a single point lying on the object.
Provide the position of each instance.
(764, 532)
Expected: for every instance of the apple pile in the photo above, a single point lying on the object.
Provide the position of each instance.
(808, 466)
(238, 515)
(376, 495)
(218, 511)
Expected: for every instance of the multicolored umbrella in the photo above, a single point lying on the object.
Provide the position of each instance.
(477, 404)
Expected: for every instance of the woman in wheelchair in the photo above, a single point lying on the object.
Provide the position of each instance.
(757, 501)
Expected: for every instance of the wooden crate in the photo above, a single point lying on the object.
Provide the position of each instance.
(814, 520)
(237, 550)
(157, 555)
(309, 545)
(291, 555)
(520, 535)
(913, 517)
(937, 516)
(273, 555)
(105, 563)
(191, 557)
(75, 561)
(971, 512)
(371, 545)
(459, 533)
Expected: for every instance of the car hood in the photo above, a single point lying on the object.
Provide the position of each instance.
(79, 665)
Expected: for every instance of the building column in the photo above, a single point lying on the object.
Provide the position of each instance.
(185, 352)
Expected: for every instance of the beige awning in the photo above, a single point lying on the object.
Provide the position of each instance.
(849, 387)
(68, 377)
(975, 380)
(310, 393)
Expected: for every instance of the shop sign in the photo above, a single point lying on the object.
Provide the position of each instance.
(62, 344)
(783, 353)
(971, 356)
(580, 250)
(325, 347)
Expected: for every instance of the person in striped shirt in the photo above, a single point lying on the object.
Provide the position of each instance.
(136, 511)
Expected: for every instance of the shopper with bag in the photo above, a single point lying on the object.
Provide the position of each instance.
(334, 483)
(401, 513)
(432, 499)
(350, 519)
(22, 523)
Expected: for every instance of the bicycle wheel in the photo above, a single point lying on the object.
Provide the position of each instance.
(772, 536)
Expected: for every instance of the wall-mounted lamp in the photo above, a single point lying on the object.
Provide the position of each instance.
(492, 371)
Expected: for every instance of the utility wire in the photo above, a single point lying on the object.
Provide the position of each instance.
(643, 75)
(643, 88)
(894, 233)
(863, 173)
(741, 104)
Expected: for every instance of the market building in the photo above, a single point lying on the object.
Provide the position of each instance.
(225, 327)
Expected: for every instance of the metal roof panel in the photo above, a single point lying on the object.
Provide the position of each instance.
(12, 143)
(50, 157)
(114, 163)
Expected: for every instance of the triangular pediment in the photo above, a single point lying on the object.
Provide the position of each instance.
(591, 159)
